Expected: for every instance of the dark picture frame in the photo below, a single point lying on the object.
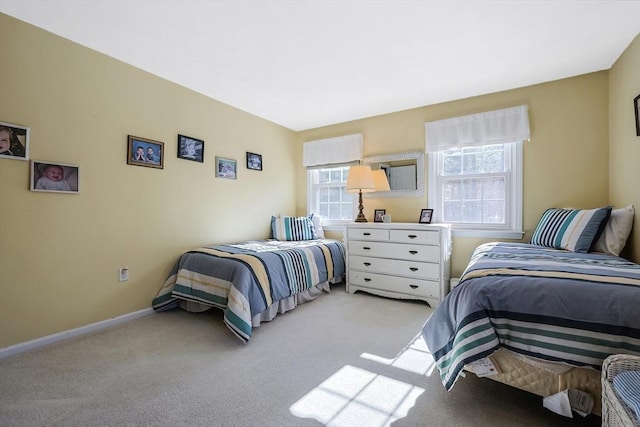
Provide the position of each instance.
(425, 216)
(54, 177)
(190, 148)
(145, 152)
(377, 215)
(226, 168)
(14, 141)
(636, 108)
(254, 161)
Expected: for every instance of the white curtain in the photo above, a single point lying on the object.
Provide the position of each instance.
(331, 151)
(491, 127)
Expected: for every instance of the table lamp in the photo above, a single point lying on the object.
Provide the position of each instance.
(360, 180)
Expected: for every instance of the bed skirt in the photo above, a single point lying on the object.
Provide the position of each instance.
(544, 378)
(278, 307)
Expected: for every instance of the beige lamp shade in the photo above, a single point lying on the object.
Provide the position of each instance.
(360, 179)
(380, 181)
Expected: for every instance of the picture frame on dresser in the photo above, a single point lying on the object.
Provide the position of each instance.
(378, 214)
(425, 216)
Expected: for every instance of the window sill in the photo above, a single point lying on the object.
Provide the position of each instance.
(493, 234)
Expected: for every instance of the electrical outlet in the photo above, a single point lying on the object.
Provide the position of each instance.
(123, 274)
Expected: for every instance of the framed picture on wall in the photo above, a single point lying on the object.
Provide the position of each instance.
(54, 177)
(254, 161)
(636, 108)
(226, 168)
(145, 152)
(425, 216)
(190, 148)
(14, 141)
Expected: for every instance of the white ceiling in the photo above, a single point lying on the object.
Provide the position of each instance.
(306, 64)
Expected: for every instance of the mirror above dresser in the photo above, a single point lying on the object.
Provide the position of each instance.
(405, 173)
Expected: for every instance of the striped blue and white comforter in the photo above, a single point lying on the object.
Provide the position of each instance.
(244, 279)
(551, 304)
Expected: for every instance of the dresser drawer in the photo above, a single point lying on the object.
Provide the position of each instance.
(421, 270)
(395, 250)
(422, 237)
(368, 234)
(403, 285)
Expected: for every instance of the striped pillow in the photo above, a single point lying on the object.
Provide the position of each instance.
(293, 228)
(627, 386)
(571, 229)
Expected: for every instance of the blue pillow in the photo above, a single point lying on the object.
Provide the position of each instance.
(571, 229)
(627, 387)
(293, 228)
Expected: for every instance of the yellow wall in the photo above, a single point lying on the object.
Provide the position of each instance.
(59, 253)
(624, 148)
(565, 163)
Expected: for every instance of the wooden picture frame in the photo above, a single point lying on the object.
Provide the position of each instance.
(636, 108)
(54, 177)
(226, 168)
(378, 214)
(14, 141)
(254, 161)
(145, 152)
(190, 148)
(425, 216)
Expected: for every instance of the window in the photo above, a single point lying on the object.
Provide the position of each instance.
(327, 194)
(478, 189)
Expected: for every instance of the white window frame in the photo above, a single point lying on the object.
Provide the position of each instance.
(312, 187)
(513, 198)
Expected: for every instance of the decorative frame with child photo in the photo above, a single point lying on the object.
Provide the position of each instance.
(254, 161)
(145, 152)
(378, 214)
(14, 141)
(190, 148)
(226, 168)
(54, 177)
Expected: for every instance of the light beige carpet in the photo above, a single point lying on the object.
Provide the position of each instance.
(341, 360)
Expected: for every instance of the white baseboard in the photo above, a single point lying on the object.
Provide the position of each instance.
(61, 336)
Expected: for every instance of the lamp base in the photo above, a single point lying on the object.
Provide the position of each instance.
(361, 218)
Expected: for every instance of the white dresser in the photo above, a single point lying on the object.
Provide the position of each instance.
(399, 260)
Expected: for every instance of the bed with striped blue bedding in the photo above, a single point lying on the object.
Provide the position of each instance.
(244, 279)
(555, 305)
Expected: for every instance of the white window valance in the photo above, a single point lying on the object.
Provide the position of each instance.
(331, 151)
(491, 127)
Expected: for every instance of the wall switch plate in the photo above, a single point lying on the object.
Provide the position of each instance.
(123, 274)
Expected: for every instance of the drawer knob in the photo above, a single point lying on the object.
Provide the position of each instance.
(413, 252)
(366, 248)
(413, 268)
(412, 236)
(413, 286)
(366, 279)
(367, 264)
(366, 234)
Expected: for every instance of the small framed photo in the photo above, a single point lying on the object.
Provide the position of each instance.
(425, 216)
(190, 148)
(145, 152)
(254, 161)
(14, 141)
(378, 214)
(54, 177)
(636, 108)
(226, 168)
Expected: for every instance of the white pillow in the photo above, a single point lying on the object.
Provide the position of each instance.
(317, 225)
(616, 232)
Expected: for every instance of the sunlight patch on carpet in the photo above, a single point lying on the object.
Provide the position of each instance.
(357, 397)
(415, 358)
